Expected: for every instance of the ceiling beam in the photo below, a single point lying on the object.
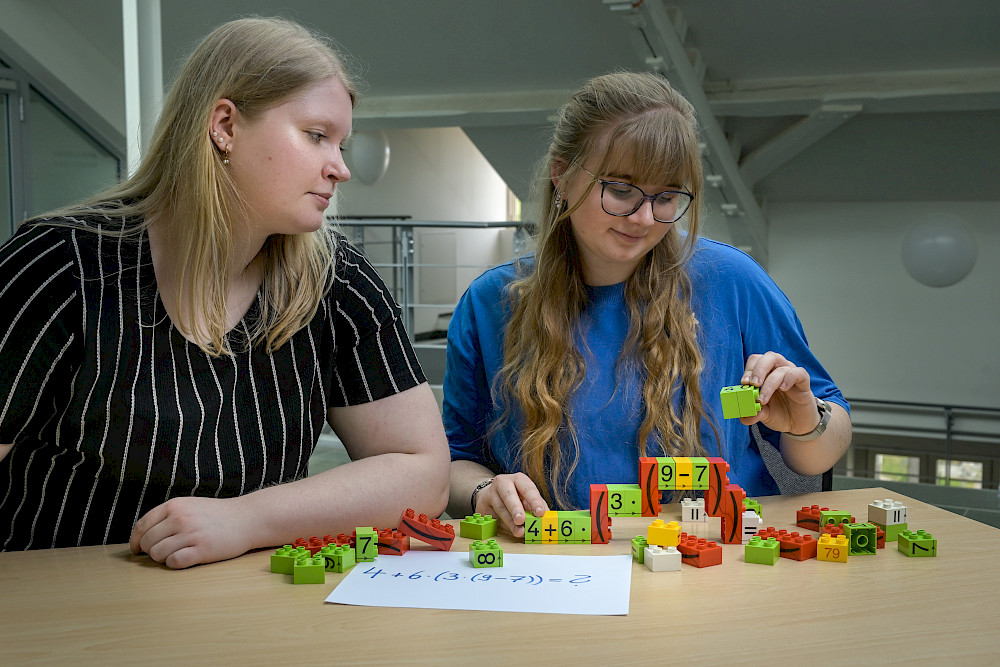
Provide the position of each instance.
(795, 139)
(517, 107)
(896, 92)
(662, 43)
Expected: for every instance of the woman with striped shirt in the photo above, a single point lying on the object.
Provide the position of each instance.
(172, 347)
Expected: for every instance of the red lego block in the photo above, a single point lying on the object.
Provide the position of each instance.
(718, 479)
(649, 485)
(808, 517)
(698, 551)
(793, 545)
(831, 529)
(880, 535)
(343, 540)
(313, 544)
(392, 542)
(600, 522)
(731, 511)
(433, 532)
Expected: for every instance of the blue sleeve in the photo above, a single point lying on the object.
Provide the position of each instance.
(467, 401)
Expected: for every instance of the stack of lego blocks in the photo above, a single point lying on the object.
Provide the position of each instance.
(484, 551)
(308, 559)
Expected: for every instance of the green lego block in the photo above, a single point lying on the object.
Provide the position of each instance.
(699, 472)
(751, 504)
(863, 538)
(762, 551)
(283, 560)
(309, 570)
(486, 554)
(739, 401)
(920, 544)
(337, 557)
(574, 526)
(639, 545)
(365, 544)
(532, 529)
(836, 517)
(624, 500)
(478, 527)
(893, 530)
(668, 473)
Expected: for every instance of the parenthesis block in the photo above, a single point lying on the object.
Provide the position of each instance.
(649, 483)
(808, 517)
(430, 531)
(392, 542)
(732, 514)
(797, 547)
(600, 522)
(698, 551)
(718, 479)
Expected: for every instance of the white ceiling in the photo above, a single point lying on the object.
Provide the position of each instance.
(811, 101)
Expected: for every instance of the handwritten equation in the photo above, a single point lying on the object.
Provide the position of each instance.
(553, 584)
(527, 579)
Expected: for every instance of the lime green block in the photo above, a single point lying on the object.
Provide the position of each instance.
(283, 560)
(668, 473)
(699, 472)
(624, 500)
(337, 557)
(574, 526)
(920, 544)
(532, 529)
(639, 545)
(764, 552)
(478, 527)
(739, 401)
(309, 571)
(485, 554)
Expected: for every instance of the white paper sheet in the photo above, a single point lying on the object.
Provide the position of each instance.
(590, 585)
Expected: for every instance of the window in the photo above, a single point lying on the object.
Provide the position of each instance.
(66, 164)
(895, 468)
(967, 474)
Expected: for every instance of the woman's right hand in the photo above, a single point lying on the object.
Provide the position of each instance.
(508, 497)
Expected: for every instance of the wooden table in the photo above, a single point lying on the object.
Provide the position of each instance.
(101, 605)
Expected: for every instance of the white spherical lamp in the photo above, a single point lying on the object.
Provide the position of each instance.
(939, 252)
(367, 156)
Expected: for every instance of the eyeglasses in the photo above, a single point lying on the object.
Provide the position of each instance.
(624, 199)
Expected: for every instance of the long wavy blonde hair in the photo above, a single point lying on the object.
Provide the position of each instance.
(256, 63)
(623, 118)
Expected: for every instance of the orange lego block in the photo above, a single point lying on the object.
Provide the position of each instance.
(663, 534)
(433, 532)
(732, 514)
(698, 551)
(392, 542)
(793, 545)
(832, 548)
(600, 522)
(808, 517)
(718, 479)
(649, 485)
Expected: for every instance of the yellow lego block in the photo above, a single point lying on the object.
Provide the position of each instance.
(550, 527)
(663, 534)
(683, 473)
(832, 548)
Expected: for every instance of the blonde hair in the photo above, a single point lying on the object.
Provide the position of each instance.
(256, 63)
(630, 119)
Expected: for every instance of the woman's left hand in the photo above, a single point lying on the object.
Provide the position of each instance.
(787, 403)
(186, 531)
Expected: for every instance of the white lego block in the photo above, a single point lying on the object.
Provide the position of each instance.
(693, 509)
(660, 559)
(887, 512)
(751, 525)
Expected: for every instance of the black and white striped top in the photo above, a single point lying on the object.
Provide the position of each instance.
(112, 411)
